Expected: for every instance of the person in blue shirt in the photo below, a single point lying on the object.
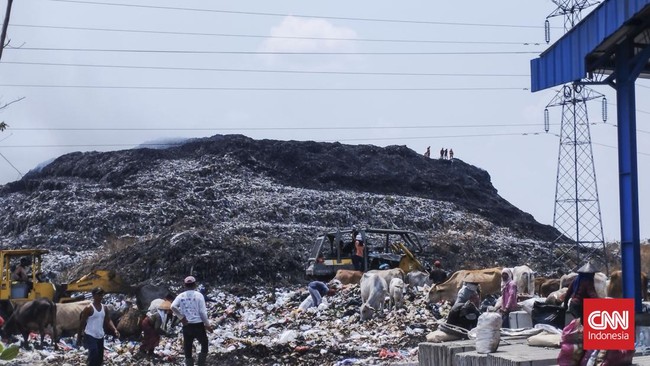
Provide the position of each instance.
(317, 290)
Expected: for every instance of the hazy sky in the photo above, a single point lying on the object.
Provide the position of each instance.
(417, 73)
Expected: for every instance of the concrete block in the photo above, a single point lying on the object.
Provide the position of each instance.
(520, 319)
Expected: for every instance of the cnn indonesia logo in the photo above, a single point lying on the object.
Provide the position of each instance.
(608, 324)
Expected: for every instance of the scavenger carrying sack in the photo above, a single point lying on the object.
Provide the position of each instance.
(548, 314)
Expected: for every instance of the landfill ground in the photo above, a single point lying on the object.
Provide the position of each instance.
(267, 328)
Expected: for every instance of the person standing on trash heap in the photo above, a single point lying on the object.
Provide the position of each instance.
(581, 288)
(152, 329)
(357, 257)
(508, 296)
(437, 275)
(93, 321)
(190, 308)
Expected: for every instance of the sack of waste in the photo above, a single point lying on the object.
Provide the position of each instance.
(488, 332)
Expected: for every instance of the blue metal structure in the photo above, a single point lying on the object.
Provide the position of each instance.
(612, 43)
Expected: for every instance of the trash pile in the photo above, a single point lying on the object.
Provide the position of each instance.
(268, 329)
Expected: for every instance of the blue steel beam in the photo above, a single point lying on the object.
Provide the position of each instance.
(609, 30)
(626, 74)
(565, 60)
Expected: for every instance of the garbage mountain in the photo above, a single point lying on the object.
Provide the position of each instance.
(237, 210)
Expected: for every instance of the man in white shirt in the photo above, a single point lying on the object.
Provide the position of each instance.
(189, 307)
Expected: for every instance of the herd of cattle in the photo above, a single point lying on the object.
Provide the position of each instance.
(376, 285)
(46, 317)
(59, 319)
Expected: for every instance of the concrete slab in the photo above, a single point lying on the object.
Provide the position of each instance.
(523, 355)
(442, 354)
(641, 360)
(472, 358)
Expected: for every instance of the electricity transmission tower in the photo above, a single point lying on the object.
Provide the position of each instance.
(577, 207)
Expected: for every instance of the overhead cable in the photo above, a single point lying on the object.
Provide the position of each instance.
(272, 36)
(268, 52)
(407, 21)
(280, 128)
(253, 89)
(261, 71)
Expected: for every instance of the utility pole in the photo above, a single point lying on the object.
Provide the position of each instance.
(577, 207)
(5, 25)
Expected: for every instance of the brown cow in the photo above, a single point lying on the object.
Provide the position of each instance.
(489, 279)
(615, 287)
(549, 286)
(33, 315)
(348, 276)
(538, 283)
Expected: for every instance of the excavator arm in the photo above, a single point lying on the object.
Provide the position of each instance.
(110, 281)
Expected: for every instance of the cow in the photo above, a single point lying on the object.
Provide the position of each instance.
(549, 286)
(489, 279)
(348, 276)
(373, 295)
(615, 286)
(33, 315)
(600, 282)
(68, 316)
(418, 279)
(524, 278)
(557, 297)
(396, 290)
(389, 274)
(566, 279)
(538, 283)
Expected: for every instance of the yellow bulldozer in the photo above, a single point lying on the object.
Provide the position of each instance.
(14, 293)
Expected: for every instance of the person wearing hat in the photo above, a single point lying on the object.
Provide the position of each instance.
(152, 328)
(189, 307)
(93, 321)
(508, 296)
(464, 313)
(437, 275)
(581, 288)
(357, 255)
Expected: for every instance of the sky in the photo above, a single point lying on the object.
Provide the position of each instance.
(102, 75)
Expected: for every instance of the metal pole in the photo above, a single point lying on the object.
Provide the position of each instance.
(627, 171)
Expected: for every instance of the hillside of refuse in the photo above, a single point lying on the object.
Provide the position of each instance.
(242, 211)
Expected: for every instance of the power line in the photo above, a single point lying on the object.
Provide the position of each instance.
(13, 166)
(234, 35)
(616, 126)
(638, 110)
(614, 147)
(356, 139)
(268, 52)
(407, 21)
(261, 71)
(263, 128)
(254, 89)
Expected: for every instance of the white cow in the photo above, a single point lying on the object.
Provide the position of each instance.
(524, 278)
(389, 274)
(600, 282)
(396, 290)
(373, 293)
(418, 279)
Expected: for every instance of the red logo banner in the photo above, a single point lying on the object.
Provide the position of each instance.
(608, 324)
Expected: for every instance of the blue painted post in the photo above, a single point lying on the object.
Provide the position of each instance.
(627, 171)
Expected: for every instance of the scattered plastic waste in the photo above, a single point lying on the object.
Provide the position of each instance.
(266, 329)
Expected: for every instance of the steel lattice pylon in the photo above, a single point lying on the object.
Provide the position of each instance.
(577, 207)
